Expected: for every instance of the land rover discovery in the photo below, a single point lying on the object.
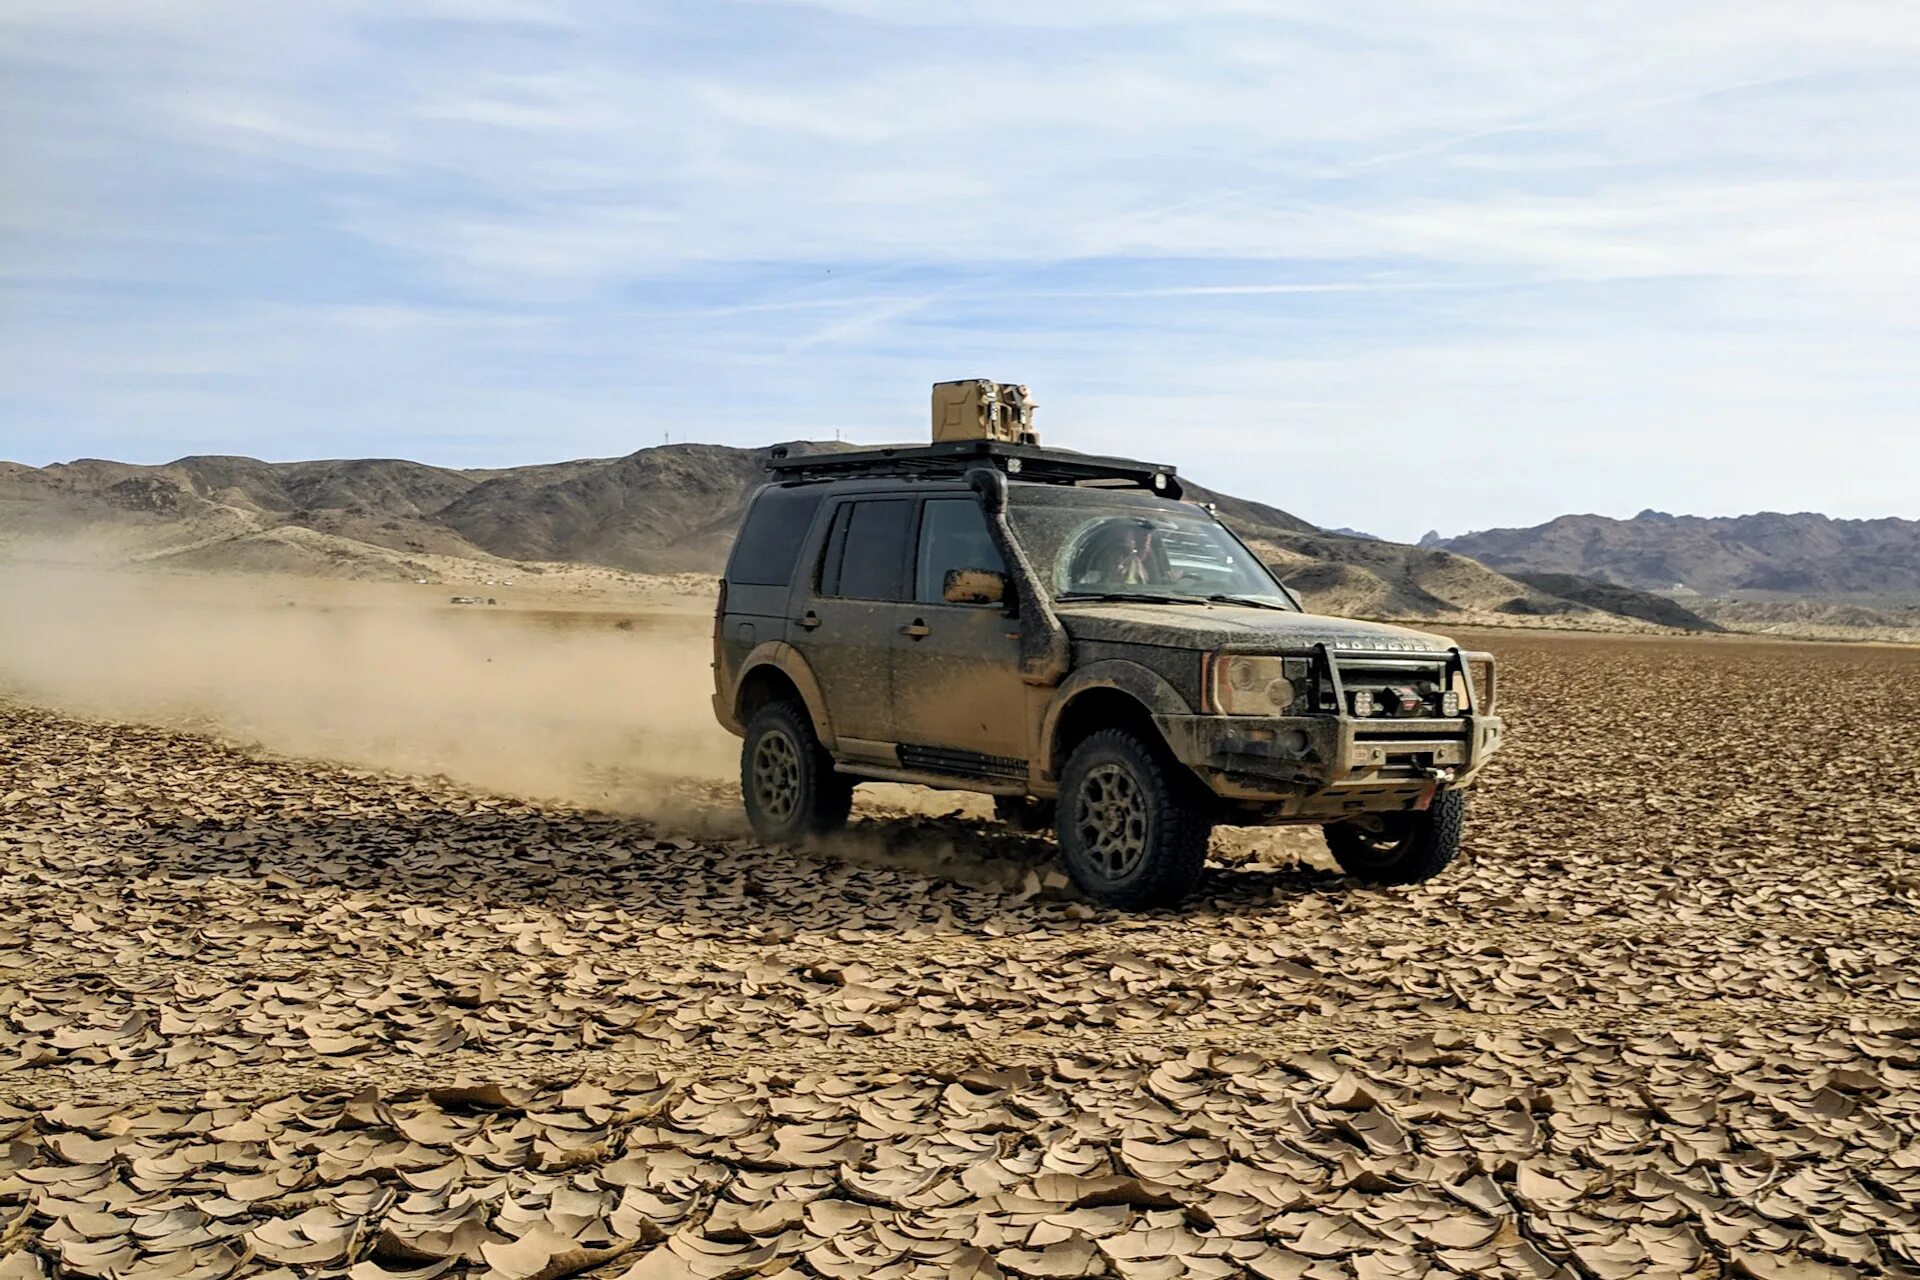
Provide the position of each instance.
(1065, 633)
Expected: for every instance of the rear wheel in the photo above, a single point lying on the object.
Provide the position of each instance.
(1400, 848)
(1133, 827)
(787, 778)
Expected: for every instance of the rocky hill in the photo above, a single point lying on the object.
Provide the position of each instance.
(1625, 601)
(668, 509)
(1803, 554)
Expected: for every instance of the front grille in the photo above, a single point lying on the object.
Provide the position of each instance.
(1427, 679)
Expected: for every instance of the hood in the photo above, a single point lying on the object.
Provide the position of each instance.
(1215, 626)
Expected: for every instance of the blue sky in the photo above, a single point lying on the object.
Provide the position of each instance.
(1389, 266)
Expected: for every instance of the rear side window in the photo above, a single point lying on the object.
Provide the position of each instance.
(866, 556)
(770, 540)
(953, 535)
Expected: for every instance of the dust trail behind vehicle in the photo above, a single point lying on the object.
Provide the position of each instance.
(596, 707)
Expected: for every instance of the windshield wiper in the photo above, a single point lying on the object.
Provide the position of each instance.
(1154, 597)
(1251, 602)
(1143, 597)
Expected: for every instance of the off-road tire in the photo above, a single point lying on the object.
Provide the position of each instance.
(1024, 813)
(1133, 826)
(1409, 848)
(787, 779)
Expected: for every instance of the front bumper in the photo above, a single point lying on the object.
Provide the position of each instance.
(1331, 763)
(1311, 764)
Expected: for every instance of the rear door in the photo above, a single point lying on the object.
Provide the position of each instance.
(852, 619)
(956, 674)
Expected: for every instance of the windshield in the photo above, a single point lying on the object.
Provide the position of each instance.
(1101, 543)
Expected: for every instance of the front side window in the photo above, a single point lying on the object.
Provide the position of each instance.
(1090, 543)
(866, 553)
(953, 535)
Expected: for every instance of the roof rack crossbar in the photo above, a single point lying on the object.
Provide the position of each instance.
(955, 458)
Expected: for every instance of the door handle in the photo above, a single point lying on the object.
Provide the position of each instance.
(810, 620)
(917, 628)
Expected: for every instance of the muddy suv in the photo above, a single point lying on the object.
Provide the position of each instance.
(1066, 634)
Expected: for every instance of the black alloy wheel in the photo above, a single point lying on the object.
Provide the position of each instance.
(1400, 848)
(787, 779)
(1134, 824)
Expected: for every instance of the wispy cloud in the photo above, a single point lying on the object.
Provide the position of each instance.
(1621, 257)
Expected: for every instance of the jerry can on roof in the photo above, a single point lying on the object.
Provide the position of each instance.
(981, 409)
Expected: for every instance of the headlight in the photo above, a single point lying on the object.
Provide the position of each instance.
(1245, 685)
(1450, 703)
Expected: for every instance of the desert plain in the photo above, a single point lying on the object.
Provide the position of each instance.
(348, 932)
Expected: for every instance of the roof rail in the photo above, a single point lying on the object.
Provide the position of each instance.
(957, 457)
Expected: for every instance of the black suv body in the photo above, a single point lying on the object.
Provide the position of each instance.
(1068, 635)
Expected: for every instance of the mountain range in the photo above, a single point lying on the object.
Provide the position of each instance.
(1802, 554)
(674, 508)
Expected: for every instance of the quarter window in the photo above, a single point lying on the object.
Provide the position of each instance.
(770, 541)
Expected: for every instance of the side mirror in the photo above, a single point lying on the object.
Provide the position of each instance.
(975, 586)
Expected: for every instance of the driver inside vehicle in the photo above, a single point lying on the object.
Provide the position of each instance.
(1118, 552)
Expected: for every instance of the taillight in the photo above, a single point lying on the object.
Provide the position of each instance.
(719, 621)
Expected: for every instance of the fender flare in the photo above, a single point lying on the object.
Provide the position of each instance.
(785, 659)
(1151, 690)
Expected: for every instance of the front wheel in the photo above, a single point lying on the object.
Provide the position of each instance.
(1400, 848)
(787, 778)
(1133, 827)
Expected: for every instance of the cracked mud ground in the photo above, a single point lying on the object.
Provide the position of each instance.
(275, 1017)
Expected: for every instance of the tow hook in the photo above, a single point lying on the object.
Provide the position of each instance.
(1436, 778)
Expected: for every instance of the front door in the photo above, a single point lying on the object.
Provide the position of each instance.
(956, 675)
(850, 621)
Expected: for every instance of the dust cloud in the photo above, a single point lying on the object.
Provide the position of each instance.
(584, 706)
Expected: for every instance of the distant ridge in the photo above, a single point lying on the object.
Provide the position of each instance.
(670, 509)
(1801, 554)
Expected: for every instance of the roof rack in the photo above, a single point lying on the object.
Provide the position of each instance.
(956, 457)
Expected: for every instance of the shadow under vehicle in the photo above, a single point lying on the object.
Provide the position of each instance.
(1065, 633)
